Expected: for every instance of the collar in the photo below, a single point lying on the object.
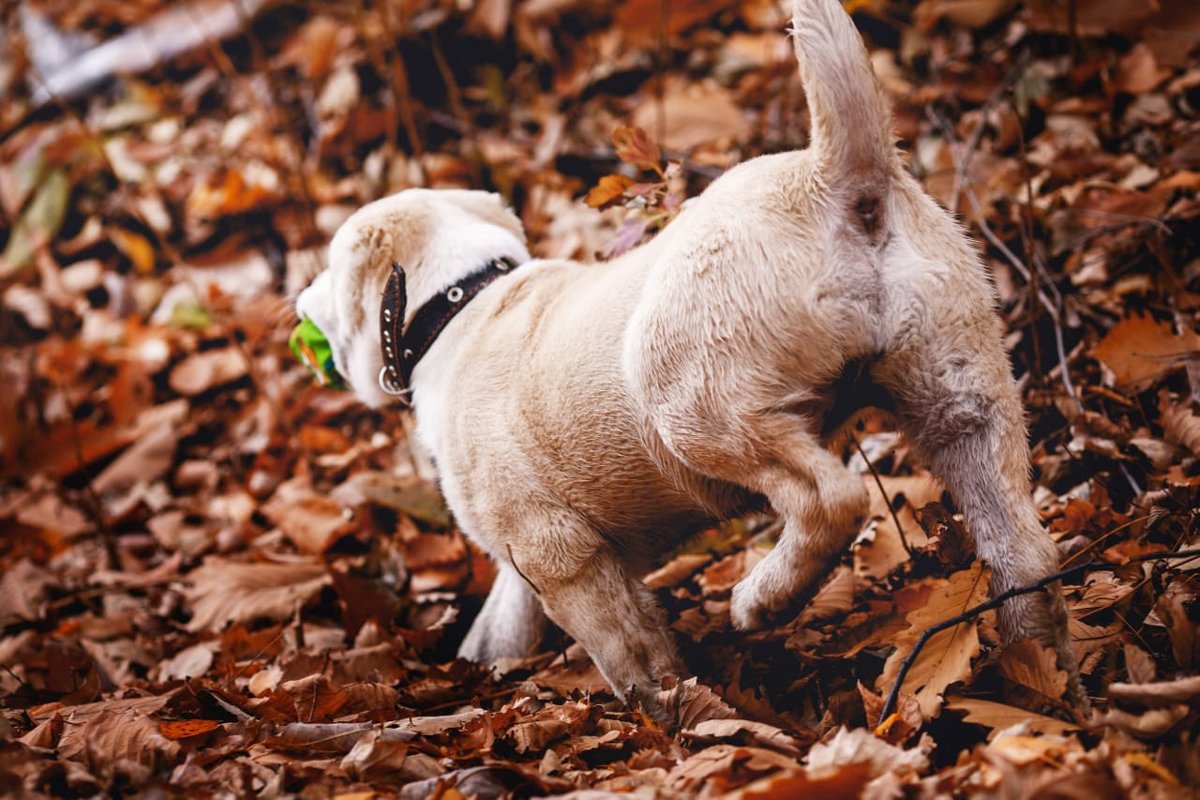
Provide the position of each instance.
(403, 348)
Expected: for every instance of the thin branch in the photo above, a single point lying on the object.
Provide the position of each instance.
(889, 707)
(454, 97)
(879, 482)
(524, 577)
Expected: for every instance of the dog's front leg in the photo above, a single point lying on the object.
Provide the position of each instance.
(615, 617)
(510, 623)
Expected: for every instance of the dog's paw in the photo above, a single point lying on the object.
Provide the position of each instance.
(747, 611)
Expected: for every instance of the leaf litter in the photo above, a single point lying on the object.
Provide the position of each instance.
(218, 578)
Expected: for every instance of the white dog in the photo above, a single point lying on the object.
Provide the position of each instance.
(584, 418)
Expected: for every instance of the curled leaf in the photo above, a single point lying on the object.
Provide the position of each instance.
(608, 191)
(635, 147)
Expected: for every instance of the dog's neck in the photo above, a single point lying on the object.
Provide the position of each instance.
(457, 245)
(402, 345)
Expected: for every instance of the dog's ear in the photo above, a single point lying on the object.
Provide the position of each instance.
(488, 206)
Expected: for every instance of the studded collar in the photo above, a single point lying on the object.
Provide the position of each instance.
(403, 348)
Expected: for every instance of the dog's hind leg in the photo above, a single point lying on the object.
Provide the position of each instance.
(776, 455)
(510, 623)
(947, 370)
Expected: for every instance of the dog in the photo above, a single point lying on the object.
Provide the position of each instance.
(584, 419)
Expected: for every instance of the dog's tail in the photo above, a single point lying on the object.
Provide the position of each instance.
(851, 122)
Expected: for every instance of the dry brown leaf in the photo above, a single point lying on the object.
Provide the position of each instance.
(1139, 349)
(146, 460)
(694, 115)
(1101, 590)
(113, 735)
(833, 600)
(1148, 725)
(313, 522)
(608, 191)
(1180, 425)
(642, 20)
(999, 716)
(191, 662)
(876, 556)
(860, 746)
(965, 13)
(203, 371)
(723, 759)
(635, 147)
(187, 728)
(374, 755)
(1034, 666)
(745, 731)
(843, 782)
(676, 571)
(1022, 750)
(1183, 690)
(22, 590)
(1138, 72)
(946, 657)
(1092, 17)
(536, 735)
(1139, 665)
(224, 591)
(692, 703)
(1173, 607)
(317, 698)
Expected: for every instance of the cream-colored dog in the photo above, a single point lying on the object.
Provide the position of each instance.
(584, 418)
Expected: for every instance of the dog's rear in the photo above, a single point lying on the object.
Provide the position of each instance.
(941, 357)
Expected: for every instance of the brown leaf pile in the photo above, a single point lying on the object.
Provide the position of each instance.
(218, 578)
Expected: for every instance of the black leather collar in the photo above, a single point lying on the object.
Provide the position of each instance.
(403, 348)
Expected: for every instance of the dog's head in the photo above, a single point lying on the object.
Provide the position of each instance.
(437, 236)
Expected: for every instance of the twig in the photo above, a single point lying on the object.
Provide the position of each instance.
(454, 96)
(107, 537)
(960, 173)
(889, 707)
(524, 577)
(879, 482)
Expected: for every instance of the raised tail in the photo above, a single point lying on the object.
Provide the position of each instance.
(851, 132)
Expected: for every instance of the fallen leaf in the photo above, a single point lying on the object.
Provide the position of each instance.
(224, 591)
(40, 222)
(1139, 349)
(947, 655)
(608, 191)
(634, 147)
(313, 522)
(118, 735)
(860, 746)
(999, 716)
(187, 728)
(1183, 690)
(203, 371)
(746, 732)
(693, 116)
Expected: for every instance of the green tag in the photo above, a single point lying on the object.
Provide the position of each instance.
(313, 351)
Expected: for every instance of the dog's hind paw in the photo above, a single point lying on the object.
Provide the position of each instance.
(747, 610)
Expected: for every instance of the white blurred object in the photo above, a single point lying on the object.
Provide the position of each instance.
(66, 65)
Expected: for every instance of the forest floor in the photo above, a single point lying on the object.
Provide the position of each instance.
(220, 579)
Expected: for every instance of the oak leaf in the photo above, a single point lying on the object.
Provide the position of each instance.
(946, 657)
